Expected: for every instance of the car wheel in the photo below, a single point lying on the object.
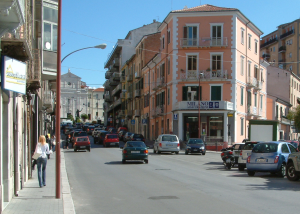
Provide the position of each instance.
(282, 171)
(203, 153)
(146, 161)
(75, 150)
(176, 153)
(228, 166)
(158, 152)
(251, 173)
(154, 151)
(123, 161)
(291, 172)
(89, 150)
(241, 168)
(186, 153)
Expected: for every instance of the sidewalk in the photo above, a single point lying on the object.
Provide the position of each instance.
(33, 199)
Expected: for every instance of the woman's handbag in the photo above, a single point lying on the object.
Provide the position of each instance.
(54, 143)
(36, 156)
(37, 152)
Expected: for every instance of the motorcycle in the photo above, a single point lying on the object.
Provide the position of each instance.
(228, 158)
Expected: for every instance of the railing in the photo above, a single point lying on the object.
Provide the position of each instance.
(252, 110)
(116, 62)
(105, 106)
(122, 78)
(123, 95)
(194, 75)
(260, 112)
(129, 78)
(251, 81)
(108, 74)
(137, 93)
(268, 42)
(287, 34)
(138, 74)
(106, 84)
(282, 49)
(204, 42)
(160, 110)
(48, 99)
(129, 113)
(116, 76)
(160, 82)
(118, 102)
(129, 95)
(153, 86)
(118, 88)
(266, 56)
(285, 120)
(112, 81)
(111, 53)
(108, 98)
(258, 85)
(137, 112)
(34, 72)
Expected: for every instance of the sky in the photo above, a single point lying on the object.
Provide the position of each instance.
(87, 23)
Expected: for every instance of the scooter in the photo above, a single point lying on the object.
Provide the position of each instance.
(228, 158)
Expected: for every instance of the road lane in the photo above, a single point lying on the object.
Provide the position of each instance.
(171, 183)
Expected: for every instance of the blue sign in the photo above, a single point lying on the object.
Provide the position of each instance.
(122, 120)
(144, 121)
(109, 119)
(132, 122)
(175, 116)
(203, 105)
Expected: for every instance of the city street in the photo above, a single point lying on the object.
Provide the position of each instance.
(171, 183)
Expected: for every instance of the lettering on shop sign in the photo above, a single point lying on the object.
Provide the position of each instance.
(203, 105)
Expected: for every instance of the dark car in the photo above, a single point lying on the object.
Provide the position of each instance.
(127, 136)
(85, 127)
(137, 137)
(82, 143)
(101, 136)
(195, 145)
(113, 131)
(121, 134)
(90, 129)
(135, 150)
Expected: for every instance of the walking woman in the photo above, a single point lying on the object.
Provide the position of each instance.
(43, 148)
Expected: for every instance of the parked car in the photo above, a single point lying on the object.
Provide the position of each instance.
(137, 137)
(90, 129)
(111, 140)
(166, 143)
(82, 143)
(113, 130)
(135, 150)
(121, 128)
(195, 145)
(96, 125)
(245, 152)
(269, 157)
(127, 136)
(121, 134)
(96, 131)
(236, 149)
(293, 166)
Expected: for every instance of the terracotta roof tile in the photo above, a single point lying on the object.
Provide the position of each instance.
(99, 89)
(206, 8)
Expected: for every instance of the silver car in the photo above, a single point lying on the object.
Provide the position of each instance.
(166, 143)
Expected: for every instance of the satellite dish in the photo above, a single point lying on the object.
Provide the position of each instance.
(48, 45)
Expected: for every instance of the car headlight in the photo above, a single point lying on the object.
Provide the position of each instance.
(202, 147)
(188, 147)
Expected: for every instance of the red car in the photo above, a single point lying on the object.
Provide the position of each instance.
(111, 140)
(82, 143)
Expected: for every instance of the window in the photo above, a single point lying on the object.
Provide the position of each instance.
(163, 42)
(242, 95)
(169, 36)
(242, 35)
(192, 63)
(88, 104)
(249, 42)
(242, 126)
(261, 101)
(256, 46)
(242, 65)
(216, 62)
(249, 98)
(50, 28)
(169, 66)
(168, 96)
(97, 105)
(249, 69)
(284, 148)
(290, 55)
(255, 100)
(216, 93)
(96, 113)
(190, 35)
(190, 93)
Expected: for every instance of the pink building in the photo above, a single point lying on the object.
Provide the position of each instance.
(212, 54)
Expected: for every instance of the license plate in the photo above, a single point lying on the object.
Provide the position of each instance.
(135, 151)
(195, 150)
(112, 144)
(169, 144)
(82, 146)
(138, 139)
(228, 161)
(261, 160)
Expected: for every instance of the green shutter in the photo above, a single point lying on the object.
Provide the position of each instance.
(184, 93)
(216, 93)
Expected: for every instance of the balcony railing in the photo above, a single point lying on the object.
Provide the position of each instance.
(116, 76)
(48, 100)
(204, 42)
(113, 82)
(258, 85)
(137, 112)
(122, 78)
(106, 84)
(194, 75)
(268, 42)
(160, 110)
(287, 34)
(251, 81)
(34, 71)
(153, 86)
(118, 102)
(108, 74)
(138, 74)
(129, 95)
(252, 110)
(129, 78)
(266, 56)
(108, 98)
(282, 49)
(128, 113)
(123, 95)
(116, 62)
(117, 89)
(160, 82)
(137, 93)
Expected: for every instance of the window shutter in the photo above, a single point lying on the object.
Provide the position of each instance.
(184, 93)
(163, 98)
(185, 32)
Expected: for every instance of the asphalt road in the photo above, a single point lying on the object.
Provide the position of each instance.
(172, 183)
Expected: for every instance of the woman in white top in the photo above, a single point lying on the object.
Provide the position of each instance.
(43, 148)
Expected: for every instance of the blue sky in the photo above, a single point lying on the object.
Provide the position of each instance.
(86, 23)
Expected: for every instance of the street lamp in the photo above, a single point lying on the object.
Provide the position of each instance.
(102, 46)
(199, 122)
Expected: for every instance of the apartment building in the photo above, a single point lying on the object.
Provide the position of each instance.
(280, 100)
(97, 105)
(281, 47)
(122, 52)
(209, 66)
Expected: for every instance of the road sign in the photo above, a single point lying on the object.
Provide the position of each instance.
(144, 121)
(122, 120)
(132, 122)
(109, 119)
(175, 116)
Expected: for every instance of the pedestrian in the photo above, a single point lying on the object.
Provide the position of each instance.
(48, 141)
(67, 142)
(53, 142)
(43, 148)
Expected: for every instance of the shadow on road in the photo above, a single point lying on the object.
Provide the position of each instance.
(127, 163)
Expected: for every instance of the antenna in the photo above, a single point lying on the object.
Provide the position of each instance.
(157, 18)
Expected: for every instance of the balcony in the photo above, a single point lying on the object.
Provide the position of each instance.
(204, 42)
(266, 56)
(48, 100)
(123, 95)
(252, 111)
(271, 41)
(108, 74)
(113, 82)
(129, 95)
(117, 89)
(116, 62)
(251, 82)
(291, 32)
(129, 78)
(210, 105)
(160, 110)
(260, 112)
(153, 86)
(258, 85)
(208, 75)
(284, 120)
(122, 78)
(105, 106)
(34, 70)
(137, 93)
(137, 112)
(160, 82)
(129, 113)
(106, 84)
(118, 102)
(138, 75)
(121, 113)
(282, 49)
(116, 76)
(108, 98)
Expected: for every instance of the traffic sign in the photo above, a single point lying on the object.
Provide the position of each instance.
(132, 122)
(175, 116)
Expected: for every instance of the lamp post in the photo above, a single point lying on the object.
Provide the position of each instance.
(199, 121)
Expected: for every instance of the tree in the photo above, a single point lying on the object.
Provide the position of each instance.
(84, 117)
(294, 115)
(78, 120)
(70, 116)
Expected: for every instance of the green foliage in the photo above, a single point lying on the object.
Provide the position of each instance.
(78, 120)
(297, 117)
(84, 117)
(94, 122)
(70, 116)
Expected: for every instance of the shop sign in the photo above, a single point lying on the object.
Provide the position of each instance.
(203, 105)
(13, 75)
(229, 114)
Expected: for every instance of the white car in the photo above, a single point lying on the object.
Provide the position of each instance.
(245, 152)
(166, 143)
(96, 131)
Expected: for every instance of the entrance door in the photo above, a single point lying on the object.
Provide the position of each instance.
(203, 129)
(156, 130)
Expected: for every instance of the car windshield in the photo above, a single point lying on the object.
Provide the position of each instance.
(81, 139)
(112, 136)
(265, 148)
(195, 141)
(169, 138)
(294, 144)
(136, 144)
(249, 146)
(80, 134)
(97, 129)
(128, 133)
(138, 136)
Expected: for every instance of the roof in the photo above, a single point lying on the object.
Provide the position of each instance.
(99, 89)
(205, 8)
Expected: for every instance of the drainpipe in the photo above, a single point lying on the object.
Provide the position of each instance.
(166, 92)
(15, 140)
(246, 44)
